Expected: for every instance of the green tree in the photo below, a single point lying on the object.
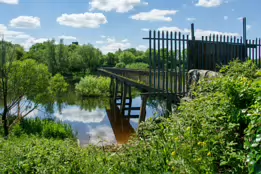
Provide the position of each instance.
(110, 60)
(126, 57)
(24, 85)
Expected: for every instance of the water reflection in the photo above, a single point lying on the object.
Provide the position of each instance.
(96, 120)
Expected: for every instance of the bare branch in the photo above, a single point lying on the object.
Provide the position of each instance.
(18, 119)
(14, 103)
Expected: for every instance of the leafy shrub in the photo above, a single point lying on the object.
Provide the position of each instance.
(120, 65)
(138, 66)
(31, 154)
(47, 128)
(58, 85)
(126, 57)
(93, 86)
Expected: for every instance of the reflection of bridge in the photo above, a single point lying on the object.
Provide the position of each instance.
(120, 124)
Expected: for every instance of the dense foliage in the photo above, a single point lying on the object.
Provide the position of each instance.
(46, 128)
(217, 132)
(138, 66)
(24, 85)
(84, 59)
(91, 86)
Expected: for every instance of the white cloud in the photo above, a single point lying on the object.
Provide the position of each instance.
(13, 2)
(67, 37)
(19, 37)
(240, 18)
(142, 47)
(191, 19)
(25, 22)
(101, 135)
(22, 36)
(31, 41)
(113, 47)
(110, 44)
(173, 29)
(145, 29)
(155, 15)
(82, 20)
(209, 3)
(111, 40)
(248, 27)
(225, 17)
(75, 114)
(120, 6)
(198, 32)
(99, 42)
(125, 40)
(11, 35)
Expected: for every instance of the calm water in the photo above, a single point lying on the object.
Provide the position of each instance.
(96, 120)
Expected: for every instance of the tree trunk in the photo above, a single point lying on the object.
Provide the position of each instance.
(4, 116)
(5, 124)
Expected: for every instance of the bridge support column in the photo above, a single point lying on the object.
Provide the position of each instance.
(112, 87)
(130, 100)
(116, 91)
(123, 99)
(144, 99)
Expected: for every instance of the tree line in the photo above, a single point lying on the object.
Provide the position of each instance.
(68, 59)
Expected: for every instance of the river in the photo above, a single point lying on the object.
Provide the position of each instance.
(94, 120)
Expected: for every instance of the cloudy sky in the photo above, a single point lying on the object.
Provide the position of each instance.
(113, 24)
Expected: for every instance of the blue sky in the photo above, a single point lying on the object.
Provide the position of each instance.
(113, 24)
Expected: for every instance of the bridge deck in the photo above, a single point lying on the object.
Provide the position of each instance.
(139, 85)
(132, 78)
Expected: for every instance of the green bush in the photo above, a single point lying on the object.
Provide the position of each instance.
(91, 86)
(138, 66)
(218, 132)
(31, 154)
(47, 128)
(120, 65)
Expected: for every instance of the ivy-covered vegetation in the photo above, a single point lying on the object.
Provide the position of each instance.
(217, 132)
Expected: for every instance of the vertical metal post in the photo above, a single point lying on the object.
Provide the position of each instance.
(171, 60)
(180, 76)
(159, 62)
(150, 81)
(191, 62)
(154, 60)
(163, 62)
(167, 62)
(244, 39)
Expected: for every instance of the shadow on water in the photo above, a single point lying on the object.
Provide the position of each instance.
(97, 120)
